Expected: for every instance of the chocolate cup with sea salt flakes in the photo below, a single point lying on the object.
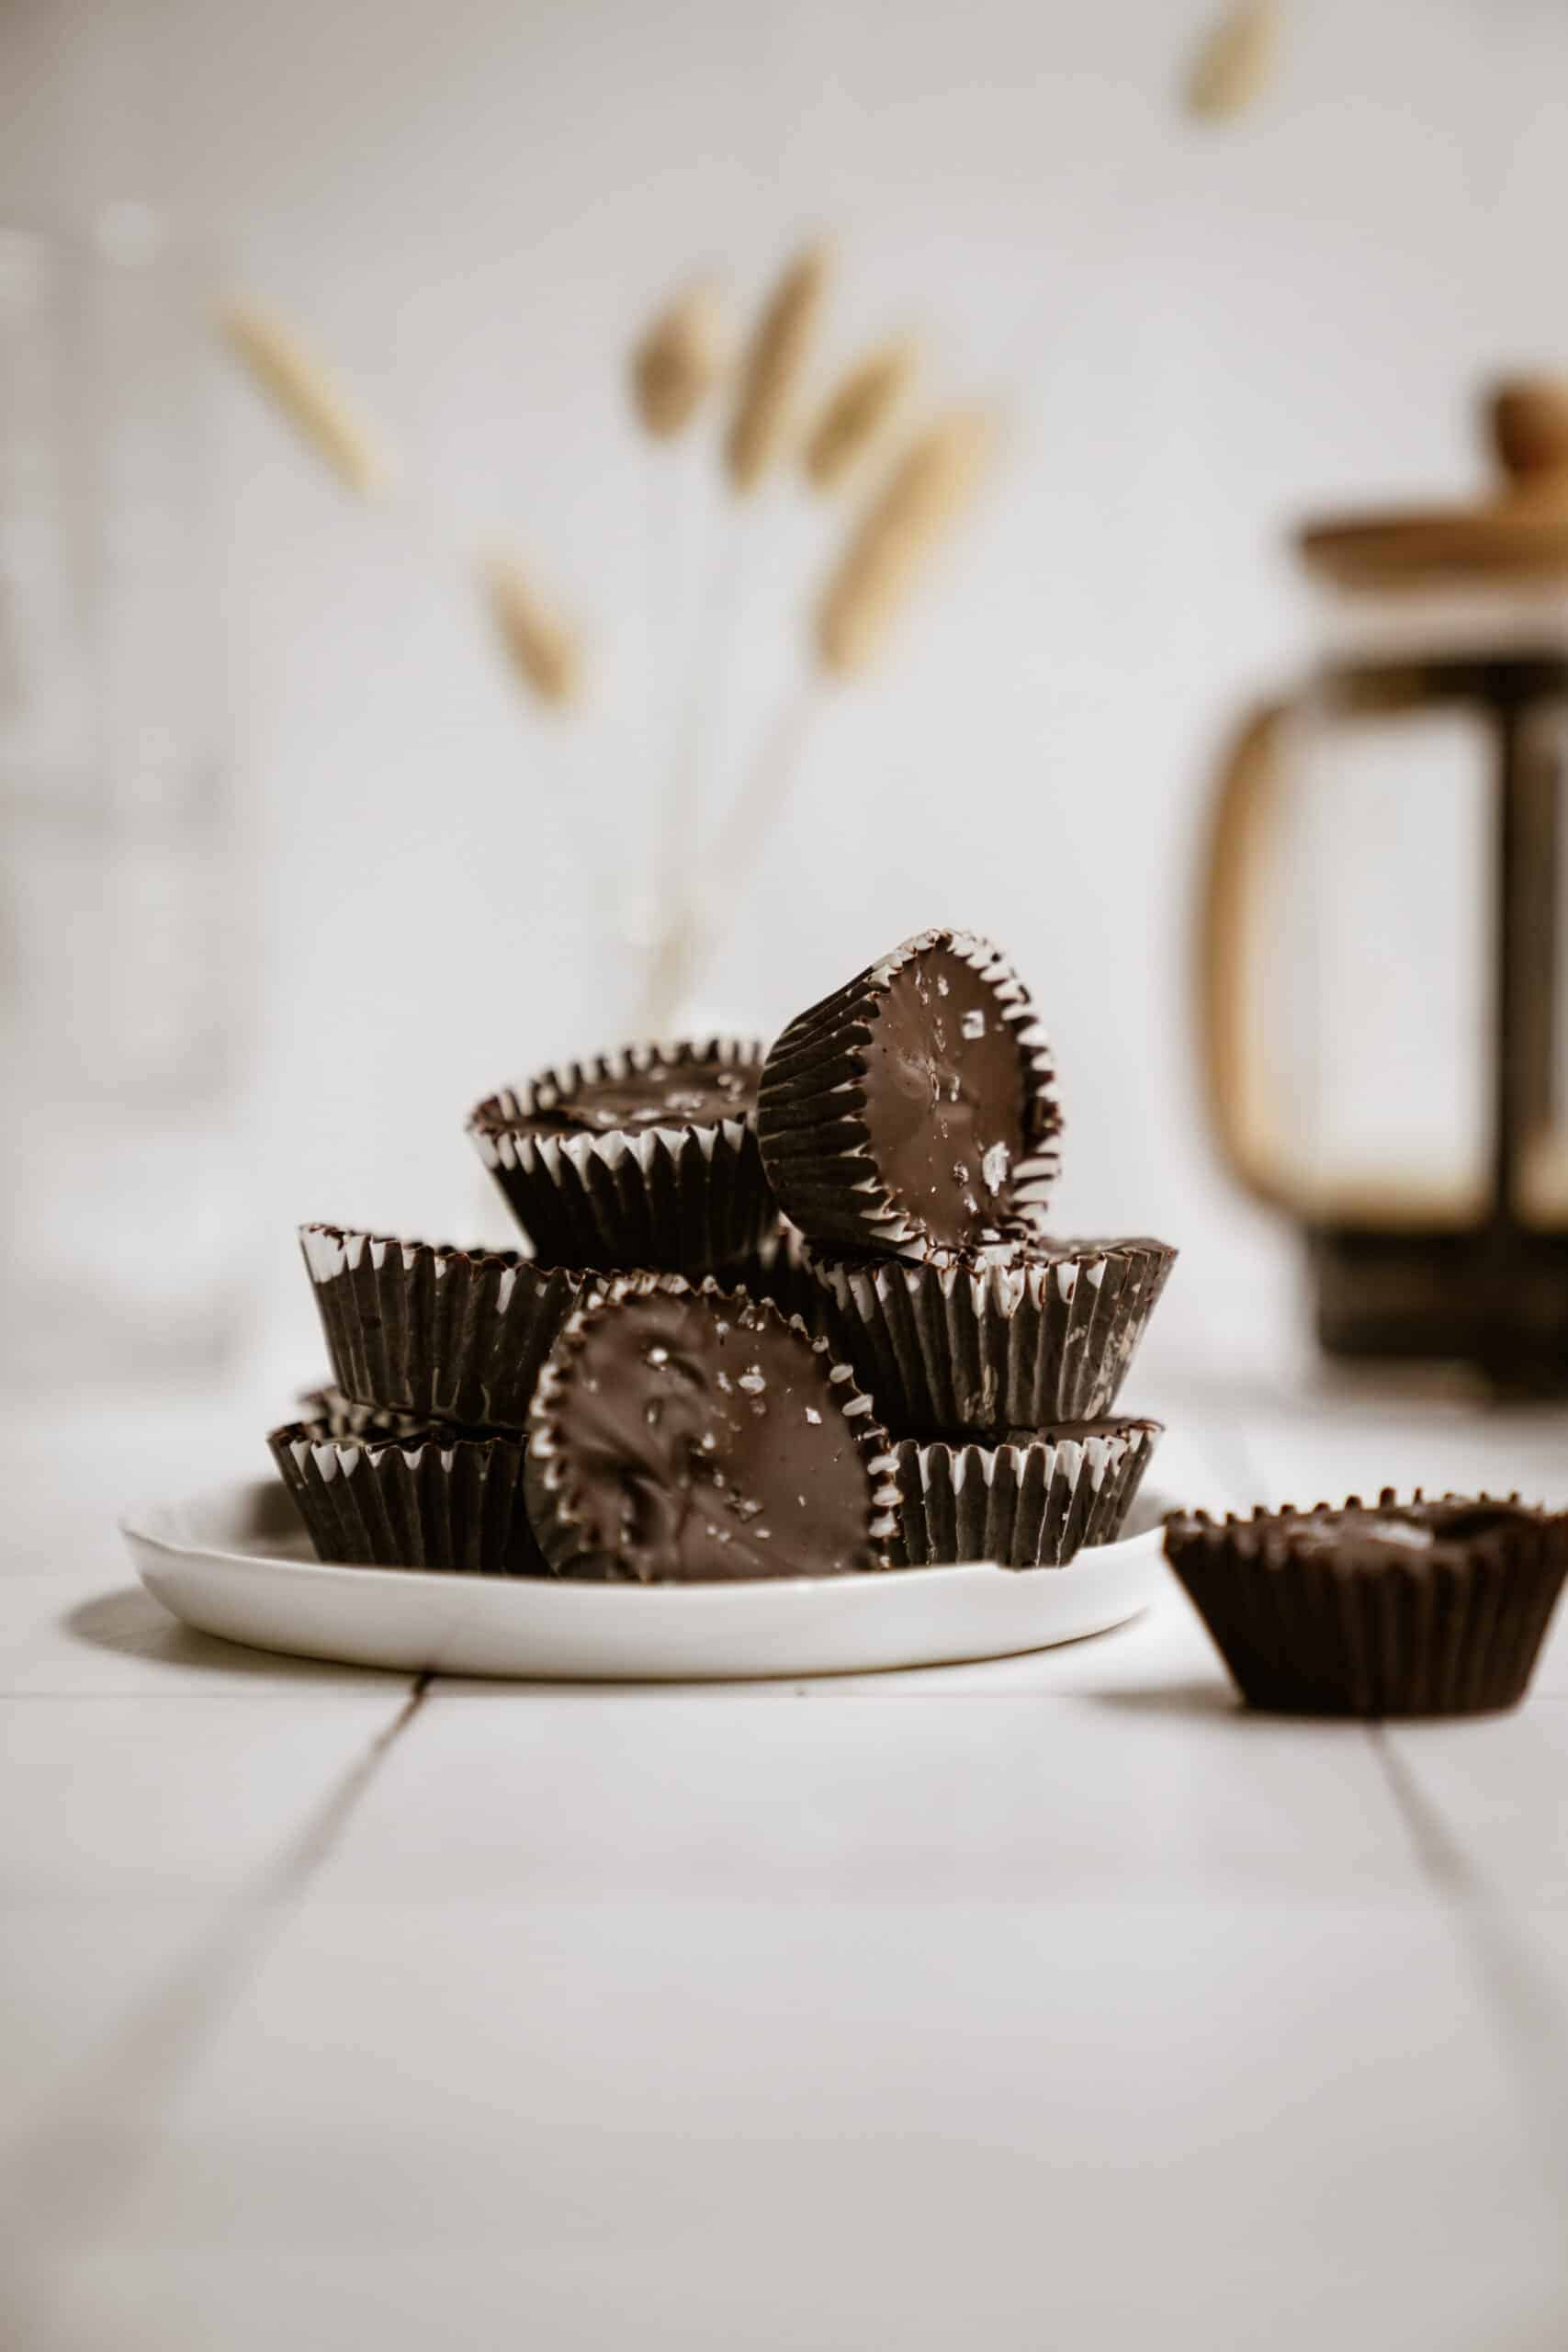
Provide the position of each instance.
(434, 1502)
(1019, 1335)
(693, 1436)
(427, 1328)
(1410, 1608)
(642, 1159)
(913, 1110)
(1029, 1503)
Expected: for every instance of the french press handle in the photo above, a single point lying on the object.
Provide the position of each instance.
(1243, 815)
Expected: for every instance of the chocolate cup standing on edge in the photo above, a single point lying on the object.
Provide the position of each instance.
(430, 1502)
(1024, 1336)
(1030, 1503)
(644, 1158)
(693, 1436)
(1411, 1608)
(913, 1109)
(443, 1333)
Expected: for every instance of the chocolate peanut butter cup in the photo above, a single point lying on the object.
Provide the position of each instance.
(1419, 1608)
(693, 1436)
(436, 1501)
(914, 1108)
(1017, 1334)
(643, 1159)
(1028, 1502)
(426, 1328)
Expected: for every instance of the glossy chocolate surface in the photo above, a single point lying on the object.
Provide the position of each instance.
(698, 1439)
(945, 1098)
(692, 1094)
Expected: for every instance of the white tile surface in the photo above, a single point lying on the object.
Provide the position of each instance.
(774, 2125)
(72, 1974)
(81, 1633)
(1499, 1787)
(119, 1800)
(967, 1798)
(1055, 2001)
(1000, 2284)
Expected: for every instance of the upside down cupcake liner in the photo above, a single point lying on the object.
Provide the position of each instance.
(1031, 1503)
(644, 1158)
(1410, 1609)
(429, 1503)
(1026, 1337)
(914, 1106)
(439, 1332)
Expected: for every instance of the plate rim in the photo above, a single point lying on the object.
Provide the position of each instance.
(132, 1526)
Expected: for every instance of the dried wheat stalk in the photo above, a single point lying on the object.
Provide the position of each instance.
(680, 359)
(1235, 61)
(308, 395)
(860, 411)
(772, 367)
(920, 501)
(543, 650)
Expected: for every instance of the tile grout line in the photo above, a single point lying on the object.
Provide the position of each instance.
(1531, 2018)
(62, 2182)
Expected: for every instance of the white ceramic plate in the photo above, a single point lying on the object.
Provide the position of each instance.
(236, 1562)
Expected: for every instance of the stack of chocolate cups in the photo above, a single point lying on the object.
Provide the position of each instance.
(873, 1185)
(910, 1129)
(416, 1456)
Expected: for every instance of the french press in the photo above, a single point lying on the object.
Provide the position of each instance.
(1382, 990)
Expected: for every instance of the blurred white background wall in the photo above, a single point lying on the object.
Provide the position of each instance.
(473, 206)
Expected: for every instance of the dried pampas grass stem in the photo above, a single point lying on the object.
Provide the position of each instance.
(773, 368)
(895, 537)
(1235, 61)
(679, 361)
(309, 396)
(763, 799)
(542, 649)
(859, 412)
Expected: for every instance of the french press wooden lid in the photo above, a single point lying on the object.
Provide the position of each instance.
(1521, 532)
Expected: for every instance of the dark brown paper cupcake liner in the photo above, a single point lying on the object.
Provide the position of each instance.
(1309, 1621)
(779, 1270)
(342, 1416)
(682, 1198)
(810, 1113)
(434, 1502)
(1018, 1338)
(1031, 1504)
(559, 1524)
(443, 1333)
